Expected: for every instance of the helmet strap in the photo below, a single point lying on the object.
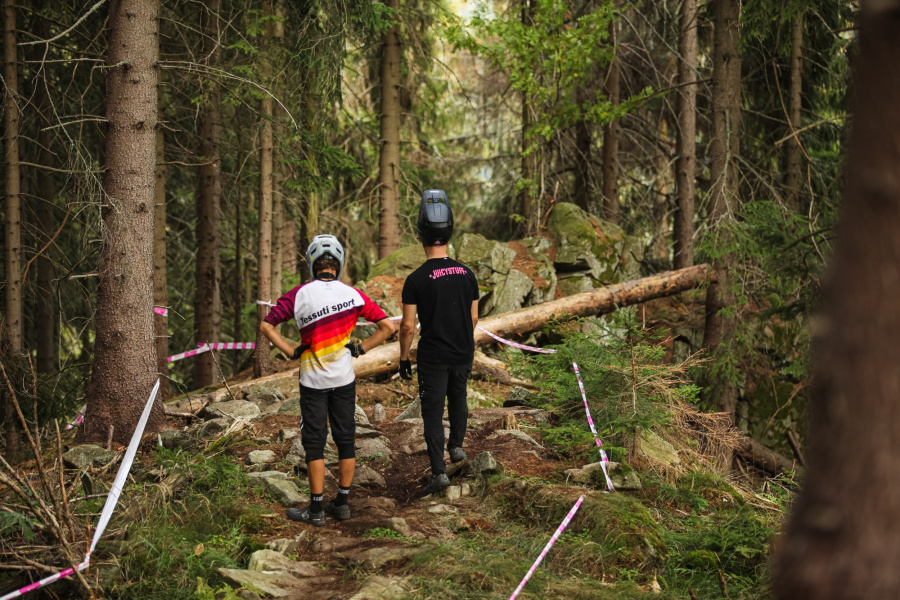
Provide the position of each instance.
(325, 276)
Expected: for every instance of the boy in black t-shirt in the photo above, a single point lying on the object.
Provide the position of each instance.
(444, 293)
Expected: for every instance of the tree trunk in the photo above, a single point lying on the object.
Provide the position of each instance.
(661, 242)
(389, 162)
(383, 359)
(237, 325)
(160, 273)
(610, 155)
(794, 152)
(686, 162)
(584, 160)
(841, 540)
(12, 320)
(724, 149)
(278, 209)
(529, 201)
(207, 301)
(45, 310)
(261, 363)
(124, 367)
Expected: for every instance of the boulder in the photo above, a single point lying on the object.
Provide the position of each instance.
(484, 464)
(290, 407)
(88, 455)
(485, 257)
(413, 411)
(256, 478)
(232, 409)
(297, 449)
(585, 243)
(519, 396)
(284, 492)
(360, 416)
(374, 558)
(287, 434)
(510, 294)
(378, 414)
(269, 560)
(442, 509)
(266, 397)
(452, 493)
(366, 476)
(276, 585)
(399, 525)
(543, 274)
(376, 587)
(373, 448)
(623, 477)
(399, 263)
(648, 445)
(174, 438)
(261, 457)
(213, 427)
(505, 434)
(575, 284)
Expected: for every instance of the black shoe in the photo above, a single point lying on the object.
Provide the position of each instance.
(304, 515)
(457, 455)
(438, 482)
(341, 513)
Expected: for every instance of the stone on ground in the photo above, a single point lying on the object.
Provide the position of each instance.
(276, 585)
(368, 477)
(378, 414)
(88, 455)
(266, 397)
(284, 492)
(290, 407)
(500, 434)
(269, 560)
(623, 478)
(519, 396)
(377, 587)
(655, 449)
(399, 525)
(232, 409)
(360, 416)
(413, 411)
(484, 464)
(260, 475)
(261, 457)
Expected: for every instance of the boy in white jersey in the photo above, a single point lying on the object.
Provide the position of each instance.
(326, 312)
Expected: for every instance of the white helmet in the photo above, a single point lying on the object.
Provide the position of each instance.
(322, 245)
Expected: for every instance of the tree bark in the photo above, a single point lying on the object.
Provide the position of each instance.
(686, 162)
(160, 273)
(766, 459)
(237, 324)
(12, 320)
(383, 359)
(661, 242)
(278, 209)
(529, 200)
(261, 363)
(610, 152)
(584, 150)
(45, 309)
(841, 540)
(124, 367)
(389, 161)
(207, 300)
(794, 152)
(724, 150)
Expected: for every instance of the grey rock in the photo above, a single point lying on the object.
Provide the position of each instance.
(376, 587)
(399, 263)
(584, 243)
(655, 449)
(365, 431)
(466, 489)
(269, 560)
(360, 416)
(484, 464)
(290, 407)
(256, 478)
(213, 427)
(452, 493)
(442, 509)
(266, 397)
(286, 545)
(88, 455)
(515, 434)
(413, 411)
(371, 447)
(623, 479)
(297, 449)
(232, 409)
(261, 457)
(374, 558)
(368, 477)
(276, 585)
(340, 545)
(173, 439)
(287, 434)
(519, 396)
(284, 492)
(378, 414)
(399, 525)
(511, 294)
(247, 595)
(577, 284)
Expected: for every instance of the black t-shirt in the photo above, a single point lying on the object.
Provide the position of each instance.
(443, 291)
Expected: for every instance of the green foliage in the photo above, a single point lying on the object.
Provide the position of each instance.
(174, 541)
(15, 524)
(627, 386)
(383, 533)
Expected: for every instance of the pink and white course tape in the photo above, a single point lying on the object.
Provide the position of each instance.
(161, 311)
(559, 530)
(587, 410)
(78, 420)
(516, 344)
(108, 508)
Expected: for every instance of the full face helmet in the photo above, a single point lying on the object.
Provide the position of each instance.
(319, 247)
(435, 224)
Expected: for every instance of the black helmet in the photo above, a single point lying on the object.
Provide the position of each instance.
(435, 225)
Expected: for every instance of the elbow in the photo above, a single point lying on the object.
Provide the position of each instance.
(407, 331)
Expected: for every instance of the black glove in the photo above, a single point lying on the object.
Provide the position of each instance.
(355, 350)
(300, 350)
(405, 370)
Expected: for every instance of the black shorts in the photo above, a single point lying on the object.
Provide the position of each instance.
(335, 405)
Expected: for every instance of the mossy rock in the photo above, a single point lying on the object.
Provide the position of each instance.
(585, 243)
(622, 528)
(399, 263)
(544, 275)
(700, 559)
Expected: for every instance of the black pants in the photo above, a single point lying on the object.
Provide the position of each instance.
(339, 406)
(435, 383)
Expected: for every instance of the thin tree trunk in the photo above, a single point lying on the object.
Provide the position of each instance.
(610, 152)
(278, 208)
(389, 162)
(661, 242)
(207, 300)
(841, 540)
(686, 161)
(794, 153)
(383, 359)
(583, 164)
(45, 311)
(237, 326)
(12, 320)
(529, 200)
(261, 363)
(160, 273)
(124, 368)
(724, 149)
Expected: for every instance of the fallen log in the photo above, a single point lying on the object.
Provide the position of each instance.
(384, 359)
(766, 459)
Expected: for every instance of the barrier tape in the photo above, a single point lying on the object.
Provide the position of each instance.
(264, 303)
(78, 420)
(175, 357)
(559, 530)
(587, 410)
(161, 311)
(230, 346)
(516, 344)
(108, 508)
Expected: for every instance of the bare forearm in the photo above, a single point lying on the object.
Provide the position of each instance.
(385, 330)
(276, 338)
(406, 338)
